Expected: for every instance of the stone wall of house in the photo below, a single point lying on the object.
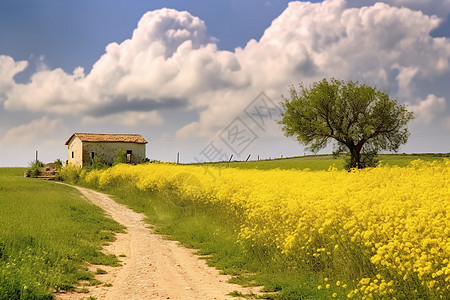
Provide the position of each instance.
(75, 153)
(107, 152)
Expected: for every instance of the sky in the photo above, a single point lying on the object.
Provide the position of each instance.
(205, 78)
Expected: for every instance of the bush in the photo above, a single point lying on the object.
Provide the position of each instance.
(58, 164)
(96, 164)
(69, 173)
(34, 169)
(121, 157)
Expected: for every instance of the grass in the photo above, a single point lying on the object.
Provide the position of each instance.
(47, 232)
(100, 271)
(313, 162)
(323, 162)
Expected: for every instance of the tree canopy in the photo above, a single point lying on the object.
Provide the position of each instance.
(361, 119)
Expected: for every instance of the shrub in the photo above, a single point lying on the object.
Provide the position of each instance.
(34, 168)
(96, 164)
(121, 157)
(69, 173)
(58, 164)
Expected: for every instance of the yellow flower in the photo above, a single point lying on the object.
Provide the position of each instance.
(397, 218)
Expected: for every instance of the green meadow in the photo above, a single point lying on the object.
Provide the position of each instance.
(47, 233)
(323, 162)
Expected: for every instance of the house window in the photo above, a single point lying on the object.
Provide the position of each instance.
(73, 154)
(92, 155)
(129, 156)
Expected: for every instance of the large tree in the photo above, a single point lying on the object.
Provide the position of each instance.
(361, 119)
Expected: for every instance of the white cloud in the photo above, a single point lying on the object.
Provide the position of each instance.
(8, 69)
(379, 44)
(50, 91)
(45, 135)
(429, 109)
(40, 131)
(169, 58)
(170, 61)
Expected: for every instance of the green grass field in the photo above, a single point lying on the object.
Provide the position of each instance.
(47, 232)
(323, 162)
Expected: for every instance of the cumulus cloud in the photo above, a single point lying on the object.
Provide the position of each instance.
(45, 135)
(50, 91)
(40, 131)
(170, 62)
(366, 43)
(380, 44)
(8, 69)
(169, 58)
(429, 109)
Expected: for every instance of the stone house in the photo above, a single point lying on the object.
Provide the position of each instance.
(83, 147)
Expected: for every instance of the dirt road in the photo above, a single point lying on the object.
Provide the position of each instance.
(153, 268)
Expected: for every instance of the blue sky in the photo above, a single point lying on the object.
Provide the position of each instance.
(187, 73)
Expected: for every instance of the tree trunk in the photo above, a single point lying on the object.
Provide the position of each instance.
(355, 159)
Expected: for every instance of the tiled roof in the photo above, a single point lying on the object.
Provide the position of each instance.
(108, 138)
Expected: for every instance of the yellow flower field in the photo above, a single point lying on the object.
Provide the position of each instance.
(374, 232)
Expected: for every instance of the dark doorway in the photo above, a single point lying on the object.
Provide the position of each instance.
(129, 152)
